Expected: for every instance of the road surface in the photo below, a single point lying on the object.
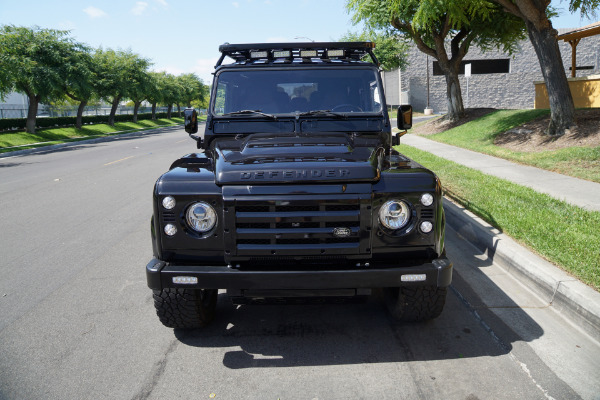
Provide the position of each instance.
(77, 319)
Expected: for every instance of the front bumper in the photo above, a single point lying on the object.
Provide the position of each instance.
(160, 276)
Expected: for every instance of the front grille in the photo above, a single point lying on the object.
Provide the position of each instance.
(339, 224)
(254, 225)
(287, 208)
(303, 227)
(253, 241)
(426, 213)
(168, 217)
(252, 208)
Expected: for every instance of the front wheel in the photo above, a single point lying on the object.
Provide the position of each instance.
(185, 308)
(416, 303)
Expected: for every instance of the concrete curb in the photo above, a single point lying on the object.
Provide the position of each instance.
(79, 142)
(575, 300)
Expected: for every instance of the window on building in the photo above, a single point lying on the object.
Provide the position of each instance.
(497, 66)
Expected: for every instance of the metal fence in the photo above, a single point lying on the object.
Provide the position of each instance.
(8, 111)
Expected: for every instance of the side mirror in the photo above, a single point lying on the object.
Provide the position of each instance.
(404, 117)
(190, 118)
(396, 138)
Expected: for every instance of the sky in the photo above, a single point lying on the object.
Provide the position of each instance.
(181, 36)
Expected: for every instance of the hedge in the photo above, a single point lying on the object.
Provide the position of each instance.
(8, 124)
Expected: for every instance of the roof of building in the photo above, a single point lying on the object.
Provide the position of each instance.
(578, 33)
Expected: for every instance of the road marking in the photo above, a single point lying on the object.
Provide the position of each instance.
(181, 141)
(122, 159)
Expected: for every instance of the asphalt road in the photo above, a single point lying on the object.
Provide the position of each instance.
(77, 320)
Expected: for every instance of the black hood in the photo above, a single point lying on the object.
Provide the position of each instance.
(290, 158)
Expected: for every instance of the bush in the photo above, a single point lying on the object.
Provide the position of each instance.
(9, 124)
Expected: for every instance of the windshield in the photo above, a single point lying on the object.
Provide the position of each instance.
(291, 91)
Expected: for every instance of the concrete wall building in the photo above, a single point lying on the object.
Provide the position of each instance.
(497, 80)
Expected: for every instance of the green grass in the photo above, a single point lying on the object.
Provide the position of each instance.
(44, 137)
(479, 135)
(566, 235)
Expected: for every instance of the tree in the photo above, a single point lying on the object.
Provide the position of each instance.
(437, 26)
(192, 88)
(389, 50)
(155, 90)
(121, 71)
(80, 85)
(141, 86)
(171, 92)
(535, 14)
(37, 62)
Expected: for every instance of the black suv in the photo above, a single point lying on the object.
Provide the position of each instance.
(298, 192)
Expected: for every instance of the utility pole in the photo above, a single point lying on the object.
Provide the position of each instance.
(428, 109)
(468, 75)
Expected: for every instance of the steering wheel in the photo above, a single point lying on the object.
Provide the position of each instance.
(347, 108)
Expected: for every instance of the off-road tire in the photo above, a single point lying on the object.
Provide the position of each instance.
(185, 308)
(416, 303)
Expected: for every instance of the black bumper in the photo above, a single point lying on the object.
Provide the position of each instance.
(160, 275)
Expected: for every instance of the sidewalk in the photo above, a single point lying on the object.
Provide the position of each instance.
(573, 299)
(579, 192)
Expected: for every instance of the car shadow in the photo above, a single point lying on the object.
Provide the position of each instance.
(266, 336)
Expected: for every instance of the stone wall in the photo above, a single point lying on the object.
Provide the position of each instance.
(514, 89)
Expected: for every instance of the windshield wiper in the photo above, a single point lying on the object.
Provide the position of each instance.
(242, 112)
(327, 113)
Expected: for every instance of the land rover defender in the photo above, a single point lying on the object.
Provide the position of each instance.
(297, 192)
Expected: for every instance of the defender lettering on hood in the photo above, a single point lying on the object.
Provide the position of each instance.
(297, 174)
(308, 158)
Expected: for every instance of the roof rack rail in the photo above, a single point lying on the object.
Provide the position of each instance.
(270, 51)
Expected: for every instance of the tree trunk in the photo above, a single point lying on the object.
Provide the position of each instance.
(136, 107)
(32, 113)
(113, 110)
(456, 108)
(169, 109)
(562, 109)
(153, 111)
(454, 99)
(179, 110)
(79, 121)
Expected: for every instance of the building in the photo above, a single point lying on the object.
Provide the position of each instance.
(14, 105)
(497, 80)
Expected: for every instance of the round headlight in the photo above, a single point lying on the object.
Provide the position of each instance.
(427, 199)
(426, 226)
(201, 217)
(394, 214)
(170, 229)
(168, 202)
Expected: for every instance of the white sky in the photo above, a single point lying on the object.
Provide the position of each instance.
(184, 35)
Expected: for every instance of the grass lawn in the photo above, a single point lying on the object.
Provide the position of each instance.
(564, 234)
(479, 135)
(44, 137)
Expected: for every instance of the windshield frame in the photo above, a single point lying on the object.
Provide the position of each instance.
(298, 67)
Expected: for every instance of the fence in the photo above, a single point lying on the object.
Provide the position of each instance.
(17, 111)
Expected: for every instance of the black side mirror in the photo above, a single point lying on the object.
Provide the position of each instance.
(404, 117)
(396, 138)
(190, 118)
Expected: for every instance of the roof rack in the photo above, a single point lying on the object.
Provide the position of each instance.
(307, 50)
